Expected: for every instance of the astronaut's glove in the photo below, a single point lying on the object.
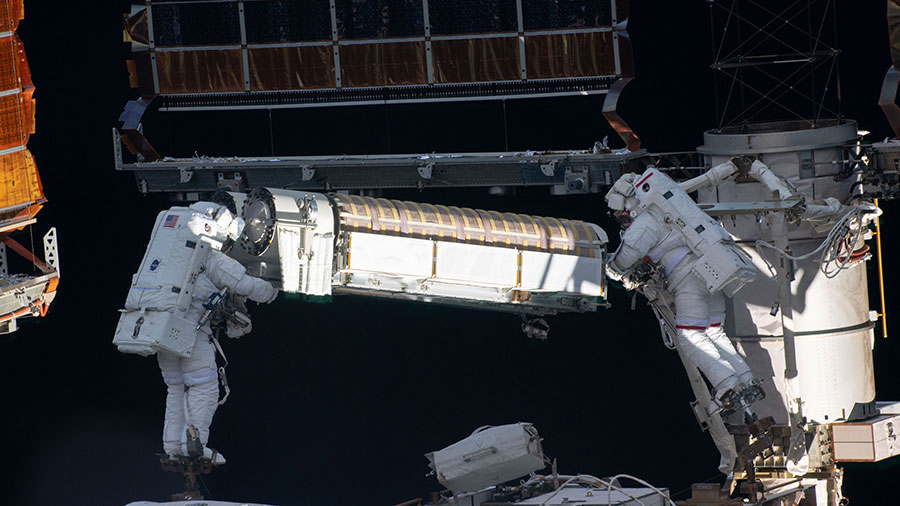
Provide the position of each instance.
(743, 164)
(612, 273)
(869, 208)
(627, 282)
(239, 324)
(271, 295)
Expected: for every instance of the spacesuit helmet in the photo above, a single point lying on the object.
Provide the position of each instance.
(229, 226)
(223, 198)
(621, 200)
(621, 196)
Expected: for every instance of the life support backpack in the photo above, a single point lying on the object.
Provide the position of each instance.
(722, 266)
(155, 314)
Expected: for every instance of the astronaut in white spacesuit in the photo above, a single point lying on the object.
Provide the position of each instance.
(193, 382)
(699, 314)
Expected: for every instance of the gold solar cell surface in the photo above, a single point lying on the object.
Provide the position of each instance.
(20, 186)
(8, 80)
(19, 181)
(11, 12)
(474, 226)
(12, 131)
(322, 45)
(286, 68)
(200, 71)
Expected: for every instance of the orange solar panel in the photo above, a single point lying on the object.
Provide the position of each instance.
(11, 12)
(8, 59)
(20, 187)
(19, 180)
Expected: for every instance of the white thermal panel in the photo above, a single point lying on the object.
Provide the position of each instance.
(390, 254)
(289, 249)
(550, 272)
(472, 263)
(870, 441)
(490, 456)
(321, 264)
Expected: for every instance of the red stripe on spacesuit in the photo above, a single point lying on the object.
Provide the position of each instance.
(714, 324)
(689, 327)
(639, 183)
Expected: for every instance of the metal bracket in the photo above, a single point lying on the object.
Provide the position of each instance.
(21, 297)
(728, 208)
(425, 170)
(139, 154)
(577, 180)
(234, 183)
(549, 168)
(117, 148)
(308, 172)
(51, 250)
(184, 175)
(191, 469)
(4, 265)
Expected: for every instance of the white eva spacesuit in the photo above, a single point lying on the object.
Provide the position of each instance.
(163, 315)
(664, 224)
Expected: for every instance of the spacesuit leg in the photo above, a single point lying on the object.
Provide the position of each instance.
(173, 424)
(716, 334)
(202, 380)
(692, 320)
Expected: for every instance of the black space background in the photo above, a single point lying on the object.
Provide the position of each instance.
(336, 403)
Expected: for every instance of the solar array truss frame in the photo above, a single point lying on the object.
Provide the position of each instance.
(262, 54)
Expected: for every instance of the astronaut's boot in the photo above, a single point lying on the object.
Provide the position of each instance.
(217, 458)
(173, 450)
(196, 449)
(741, 397)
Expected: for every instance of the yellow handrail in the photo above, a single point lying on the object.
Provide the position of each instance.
(883, 316)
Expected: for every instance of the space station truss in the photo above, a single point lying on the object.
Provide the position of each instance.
(563, 172)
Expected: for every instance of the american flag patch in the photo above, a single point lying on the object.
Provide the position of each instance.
(171, 220)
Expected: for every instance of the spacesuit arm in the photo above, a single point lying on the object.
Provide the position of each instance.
(711, 178)
(725, 171)
(637, 241)
(224, 271)
(761, 172)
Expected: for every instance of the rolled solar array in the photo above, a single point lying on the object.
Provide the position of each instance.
(471, 226)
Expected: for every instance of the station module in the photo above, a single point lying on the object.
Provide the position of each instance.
(805, 327)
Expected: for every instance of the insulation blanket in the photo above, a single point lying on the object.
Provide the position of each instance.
(489, 456)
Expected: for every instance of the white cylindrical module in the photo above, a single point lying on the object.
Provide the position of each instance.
(318, 244)
(296, 226)
(831, 322)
